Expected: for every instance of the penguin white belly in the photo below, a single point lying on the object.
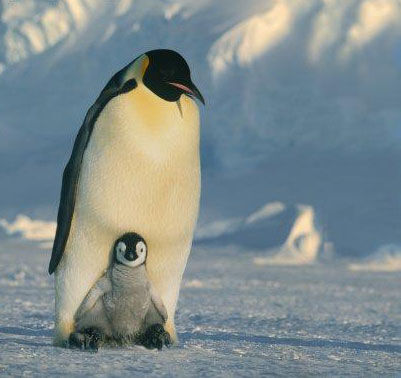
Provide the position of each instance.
(140, 173)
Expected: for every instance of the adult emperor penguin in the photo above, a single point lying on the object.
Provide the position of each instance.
(134, 166)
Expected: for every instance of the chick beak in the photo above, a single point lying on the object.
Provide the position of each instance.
(190, 90)
(129, 255)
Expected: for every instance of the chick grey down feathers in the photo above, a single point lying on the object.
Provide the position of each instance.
(122, 304)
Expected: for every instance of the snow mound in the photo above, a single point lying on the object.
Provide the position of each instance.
(374, 17)
(267, 211)
(289, 232)
(302, 245)
(224, 227)
(386, 259)
(217, 228)
(251, 38)
(254, 231)
(29, 229)
(33, 27)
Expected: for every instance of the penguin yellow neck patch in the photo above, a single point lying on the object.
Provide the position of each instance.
(154, 112)
(144, 66)
(137, 69)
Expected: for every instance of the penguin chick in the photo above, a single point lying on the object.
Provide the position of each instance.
(122, 305)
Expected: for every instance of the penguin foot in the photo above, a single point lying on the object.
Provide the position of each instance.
(89, 339)
(155, 337)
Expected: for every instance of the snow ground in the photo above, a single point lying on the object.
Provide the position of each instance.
(234, 319)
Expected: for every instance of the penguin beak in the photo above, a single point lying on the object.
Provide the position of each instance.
(129, 255)
(190, 90)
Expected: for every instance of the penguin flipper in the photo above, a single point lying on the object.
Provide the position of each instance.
(69, 186)
(157, 313)
(102, 286)
(68, 192)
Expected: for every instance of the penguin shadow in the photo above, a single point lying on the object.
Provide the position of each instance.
(21, 331)
(288, 341)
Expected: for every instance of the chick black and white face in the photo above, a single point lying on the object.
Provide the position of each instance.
(168, 76)
(130, 250)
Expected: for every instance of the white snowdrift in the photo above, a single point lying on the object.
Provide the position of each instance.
(374, 17)
(223, 227)
(338, 26)
(219, 230)
(269, 210)
(289, 235)
(30, 229)
(302, 245)
(251, 38)
(34, 27)
(386, 259)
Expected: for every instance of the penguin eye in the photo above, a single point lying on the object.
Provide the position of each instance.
(140, 248)
(121, 247)
(167, 73)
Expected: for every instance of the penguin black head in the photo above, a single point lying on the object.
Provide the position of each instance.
(130, 249)
(168, 76)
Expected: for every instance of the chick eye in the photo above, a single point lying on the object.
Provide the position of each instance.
(141, 247)
(121, 247)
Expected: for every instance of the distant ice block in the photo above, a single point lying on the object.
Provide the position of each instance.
(288, 234)
(302, 245)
